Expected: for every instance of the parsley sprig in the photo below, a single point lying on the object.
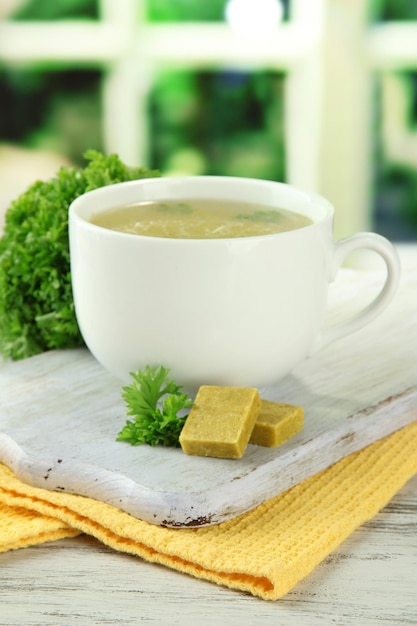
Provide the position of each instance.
(265, 216)
(36, 302)
(154, 401)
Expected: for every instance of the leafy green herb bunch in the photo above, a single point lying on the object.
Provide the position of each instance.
(36, 303)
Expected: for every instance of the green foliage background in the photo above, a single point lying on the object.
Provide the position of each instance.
(224, 122)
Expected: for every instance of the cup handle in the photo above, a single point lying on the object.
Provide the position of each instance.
(342, 248)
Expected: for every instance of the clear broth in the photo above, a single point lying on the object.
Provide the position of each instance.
(199, 219)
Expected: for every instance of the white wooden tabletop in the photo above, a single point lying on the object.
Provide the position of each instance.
(370, 579)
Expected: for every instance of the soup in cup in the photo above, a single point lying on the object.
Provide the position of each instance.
(240, 305)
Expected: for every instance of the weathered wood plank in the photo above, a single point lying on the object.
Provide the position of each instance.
(60, 413)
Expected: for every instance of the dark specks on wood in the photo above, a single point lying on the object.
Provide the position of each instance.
(347, 438)
(202, 520)
(382, 403)
(49, 470)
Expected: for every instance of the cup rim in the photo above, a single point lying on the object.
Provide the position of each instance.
(84, 206)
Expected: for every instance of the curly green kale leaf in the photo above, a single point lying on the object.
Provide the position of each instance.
(36, 303)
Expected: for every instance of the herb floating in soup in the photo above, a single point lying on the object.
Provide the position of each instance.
(199, 219)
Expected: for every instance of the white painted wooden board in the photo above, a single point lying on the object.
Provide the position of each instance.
(60, 413)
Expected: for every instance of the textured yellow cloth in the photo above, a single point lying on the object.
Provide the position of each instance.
(265, 552)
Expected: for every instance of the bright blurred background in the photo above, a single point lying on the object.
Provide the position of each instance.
(318, 93)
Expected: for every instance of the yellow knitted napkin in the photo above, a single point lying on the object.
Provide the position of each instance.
(265, 552)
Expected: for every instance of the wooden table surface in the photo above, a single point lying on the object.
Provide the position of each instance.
(370, 579)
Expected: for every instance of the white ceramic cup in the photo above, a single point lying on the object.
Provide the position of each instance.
(239, 311)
